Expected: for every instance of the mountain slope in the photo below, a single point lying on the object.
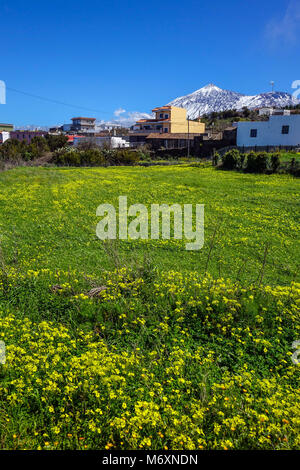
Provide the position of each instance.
(212, 98)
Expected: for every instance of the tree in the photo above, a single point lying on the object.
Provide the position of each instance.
(56, 141)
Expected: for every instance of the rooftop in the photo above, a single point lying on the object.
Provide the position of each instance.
(162, 107)
(80, 117)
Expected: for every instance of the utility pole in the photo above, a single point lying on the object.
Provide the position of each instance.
(188, 153)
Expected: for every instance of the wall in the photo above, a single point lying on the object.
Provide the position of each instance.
(179, 123)
(113, 142)
(26, 135)
(3, 136)
(269, 132)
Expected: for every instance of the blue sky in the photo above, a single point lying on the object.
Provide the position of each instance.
(113, 55)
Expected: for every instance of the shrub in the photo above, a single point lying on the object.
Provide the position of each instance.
(56, 141)
(257, 162)
(231, 159)
(294, 167)
(66, 156)
(144, 153)
(215, 159)
(275, 161)
(13, 150)
(38, 146)
(126, 157)
(94, 157)
(91, 157)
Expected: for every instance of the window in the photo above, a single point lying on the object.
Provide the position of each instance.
(166, 130)
(285, 129)
(253, 133)
(161, 115)
(166, 116)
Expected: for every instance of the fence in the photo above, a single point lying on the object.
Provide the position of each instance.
(256, 148)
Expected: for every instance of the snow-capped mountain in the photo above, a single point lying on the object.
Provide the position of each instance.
(212, 98)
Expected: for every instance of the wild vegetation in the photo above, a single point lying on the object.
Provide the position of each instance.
(141, 344)
(259, 162)
(218, 121)
(16, 151)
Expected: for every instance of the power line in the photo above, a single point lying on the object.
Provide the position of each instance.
(50, 100)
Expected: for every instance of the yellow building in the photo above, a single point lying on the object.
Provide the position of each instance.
(169, 120)
(6, 127)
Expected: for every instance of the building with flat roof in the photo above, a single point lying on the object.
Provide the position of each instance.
(277, 131)
(83, 124)
(273, 111)
(169, 120)
(6, 127)
(102, 141)
(26, 136)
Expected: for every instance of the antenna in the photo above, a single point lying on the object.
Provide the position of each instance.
(272, 85)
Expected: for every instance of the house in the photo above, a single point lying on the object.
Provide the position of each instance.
(72, 137)
(169, 120)
(277, 131)
(272, 111)
(83, 124)
(56, 130)
(6, 127)
(110, 141)
(26, 135)
(170, 124)
(66, 127)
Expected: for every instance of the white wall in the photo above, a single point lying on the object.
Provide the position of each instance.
(269, 133)
(4, 135)
(114, 142)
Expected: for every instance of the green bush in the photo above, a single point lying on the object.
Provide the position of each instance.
(13, 150)
(66, 156)
(95, 157)
(126, 157)
(91, 157)
(215, 159)
(294, 167)
(275, 162)
(257, 162)
(231, 160)
(56, 141)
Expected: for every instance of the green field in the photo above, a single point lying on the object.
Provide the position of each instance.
(179, 349)
(48, 219)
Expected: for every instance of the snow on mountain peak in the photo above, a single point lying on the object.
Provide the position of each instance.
(210, 87)
(211, 98)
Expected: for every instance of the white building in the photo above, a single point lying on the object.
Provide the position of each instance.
(271, 111)
(112, 141)
(277, 131)
(4, 135)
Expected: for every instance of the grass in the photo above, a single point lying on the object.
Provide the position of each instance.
(51, 218)
(288, 156)
(177, 350)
